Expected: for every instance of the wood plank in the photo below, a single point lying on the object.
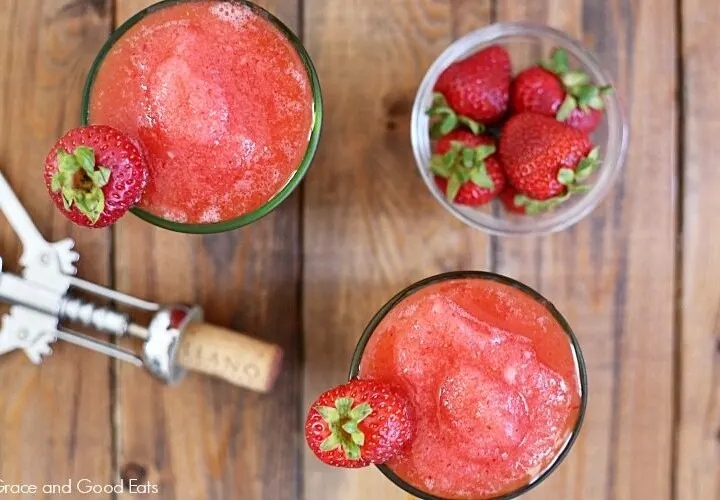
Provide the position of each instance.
(205, 439)
(371, 226)
(698, 473)
(612, 274)
(55, 419)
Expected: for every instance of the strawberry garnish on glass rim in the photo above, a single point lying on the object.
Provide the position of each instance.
(581, 94)
(95, 174)
(359, 423)
(79, 181)
(344, 420)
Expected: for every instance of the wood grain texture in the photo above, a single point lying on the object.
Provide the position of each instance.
(55, 418)
(206, 439)
(370, 229)
(699, 424)
(371, 226)
(612, 274)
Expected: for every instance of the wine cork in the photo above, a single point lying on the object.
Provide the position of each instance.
(241, 360)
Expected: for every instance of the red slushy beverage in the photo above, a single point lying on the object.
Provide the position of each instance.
(219, 98)
(494, 379)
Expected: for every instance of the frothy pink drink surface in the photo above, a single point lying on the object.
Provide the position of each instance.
(494, 382)
(219, 98)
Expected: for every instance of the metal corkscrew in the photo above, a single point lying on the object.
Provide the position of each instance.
(46, 306)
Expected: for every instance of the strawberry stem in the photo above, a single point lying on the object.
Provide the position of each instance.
(447, 119)
(80, 182)
(567, 107)
(343, 422)
(463, 164)
(581, 93)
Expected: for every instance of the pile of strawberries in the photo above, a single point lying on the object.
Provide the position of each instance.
(540, 152)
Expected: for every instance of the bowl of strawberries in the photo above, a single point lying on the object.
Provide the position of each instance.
(517, 130)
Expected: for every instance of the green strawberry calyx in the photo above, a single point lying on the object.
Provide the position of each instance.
(463, 164)
(573, 179)
(580, 92)
(447, 119)
(343, 421)
(80, 181)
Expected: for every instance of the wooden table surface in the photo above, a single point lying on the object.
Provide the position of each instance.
(639, 279)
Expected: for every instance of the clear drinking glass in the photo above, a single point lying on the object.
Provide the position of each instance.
(580, 363)
(527, 43)
(292, 182)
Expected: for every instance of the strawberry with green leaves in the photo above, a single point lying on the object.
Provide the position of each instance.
(545, 160)
(472, 91)
(359, 423)
(466, 168)
(554, 89)
(446, 120)
(95, 174)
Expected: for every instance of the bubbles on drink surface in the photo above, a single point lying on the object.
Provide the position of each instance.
(210, 216)
(236, 14)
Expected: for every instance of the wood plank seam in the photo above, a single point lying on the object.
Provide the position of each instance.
(679, 249)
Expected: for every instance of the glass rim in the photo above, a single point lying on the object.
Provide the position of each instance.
(488, 276)
(614, 148)
(314, 137)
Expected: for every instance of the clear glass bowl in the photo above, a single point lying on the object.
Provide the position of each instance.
(292, 182)
(527, 43)
(572, 339)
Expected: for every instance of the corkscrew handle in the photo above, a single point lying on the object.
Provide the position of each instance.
(239, 359)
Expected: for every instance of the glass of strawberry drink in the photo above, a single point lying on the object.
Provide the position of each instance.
(466, 385)
(217, 106)
(516, 129)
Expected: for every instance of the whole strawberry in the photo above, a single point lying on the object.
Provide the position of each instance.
(359, 423)
(536, 90)
(544, 158)
(556, 90)
(466, 168)
(95, 174)
(477, 88)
